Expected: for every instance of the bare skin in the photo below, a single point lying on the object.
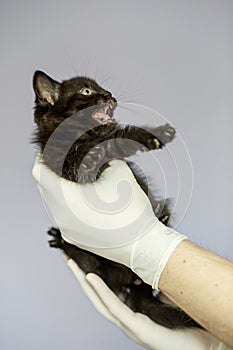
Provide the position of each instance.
(201, 283)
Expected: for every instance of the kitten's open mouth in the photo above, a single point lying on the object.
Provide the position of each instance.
(104, 114)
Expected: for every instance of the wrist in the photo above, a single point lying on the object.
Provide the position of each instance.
(150, 254)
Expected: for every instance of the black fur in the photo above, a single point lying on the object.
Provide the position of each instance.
(76, 152)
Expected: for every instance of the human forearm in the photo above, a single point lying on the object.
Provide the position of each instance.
(201, 283)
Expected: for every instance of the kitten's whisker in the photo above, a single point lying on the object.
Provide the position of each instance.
(87, 65)
(100, 73)
(126, 108)
(129, 93)
(96, 73)
(126, 95)
(71, 63)
(125, 98)
(105, 78)
(123, 95)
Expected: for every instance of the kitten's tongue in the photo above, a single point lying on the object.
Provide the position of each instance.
(102, 116)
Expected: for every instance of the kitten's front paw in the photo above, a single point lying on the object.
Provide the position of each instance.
(86, 175)
(161, 136)
(165, 133)
(90, 166)
(87, 172)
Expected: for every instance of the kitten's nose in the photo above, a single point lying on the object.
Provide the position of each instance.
(112, 102)
(107, 94)
(107, 98)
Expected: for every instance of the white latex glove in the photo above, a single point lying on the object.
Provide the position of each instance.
(112, 218)
(139, 327)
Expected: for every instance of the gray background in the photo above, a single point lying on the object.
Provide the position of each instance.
(173, 56)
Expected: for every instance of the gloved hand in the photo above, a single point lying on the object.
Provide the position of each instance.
(139, 327)
(112, 217)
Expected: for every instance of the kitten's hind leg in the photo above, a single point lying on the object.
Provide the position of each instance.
(87, 261)
(164, 133)
(140, 299)
(57, 241)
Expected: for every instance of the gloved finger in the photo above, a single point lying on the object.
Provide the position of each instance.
(93, 296)
(148, 333)
(66, 257)
(40, 168)
(116, 300)
(111, 301)
(111, 173)
(36, 168)
(90, 292)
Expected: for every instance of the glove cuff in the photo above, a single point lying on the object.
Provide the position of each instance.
(149, 254)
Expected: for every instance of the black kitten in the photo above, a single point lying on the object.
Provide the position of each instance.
(76, 152)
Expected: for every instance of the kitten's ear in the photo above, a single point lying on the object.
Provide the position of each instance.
(45, 88)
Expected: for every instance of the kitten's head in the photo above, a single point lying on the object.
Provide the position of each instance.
(57, 101)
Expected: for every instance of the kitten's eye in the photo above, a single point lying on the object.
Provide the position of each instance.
(86, 91)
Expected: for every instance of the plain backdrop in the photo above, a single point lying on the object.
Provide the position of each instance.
(173, 56)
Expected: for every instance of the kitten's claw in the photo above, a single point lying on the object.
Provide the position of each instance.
(164, 219)
(157, 143)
